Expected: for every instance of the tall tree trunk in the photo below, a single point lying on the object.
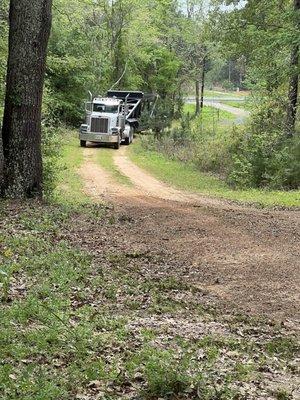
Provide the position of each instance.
(3, 34)
(30, 24)
(294, 80)
(1, 160)
(197, 87)
(203, 82)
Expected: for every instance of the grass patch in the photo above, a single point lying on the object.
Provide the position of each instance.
(209, 114)
(104, 157)
(212, 94)
(69, 188)
(285, 347)
(187, 177)
(236, 104)
(166, 375)
(69, 320)
(244, 104)
(49, 346)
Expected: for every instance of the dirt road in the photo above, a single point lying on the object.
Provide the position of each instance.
(240, 258)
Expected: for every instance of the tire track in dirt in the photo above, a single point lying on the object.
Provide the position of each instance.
(245, 257)
(149, 186)
(98, 183)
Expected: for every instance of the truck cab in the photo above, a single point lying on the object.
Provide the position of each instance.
(105, 122)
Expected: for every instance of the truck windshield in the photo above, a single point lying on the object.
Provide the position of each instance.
(105, 108)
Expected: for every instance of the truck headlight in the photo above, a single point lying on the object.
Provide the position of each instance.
(114, 131)
(83, 128)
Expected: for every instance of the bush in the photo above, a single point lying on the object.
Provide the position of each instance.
(228, 85)
(163, 116)
(258, 155)
(215, 149)
(51, 145)
(265, 157)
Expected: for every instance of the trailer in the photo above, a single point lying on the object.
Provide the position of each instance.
(114, 119)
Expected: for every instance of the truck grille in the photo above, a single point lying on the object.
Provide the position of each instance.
(99, 125)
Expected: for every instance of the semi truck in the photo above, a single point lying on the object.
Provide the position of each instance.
(115, 118)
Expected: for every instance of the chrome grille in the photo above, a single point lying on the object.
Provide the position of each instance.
(99, 125)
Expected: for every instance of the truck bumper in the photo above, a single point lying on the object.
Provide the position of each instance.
(98, 138)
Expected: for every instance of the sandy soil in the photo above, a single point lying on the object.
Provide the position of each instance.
(241, 258)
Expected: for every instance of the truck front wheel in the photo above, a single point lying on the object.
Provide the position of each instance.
(129, 139)
(82, 143)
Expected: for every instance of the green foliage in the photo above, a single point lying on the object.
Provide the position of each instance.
(258, 155)
(3, 50)
(162, 117)
(256, 32)
(185, 175)
(181, 134)
(262, 34)
(163, 46)
(265, 157)
(92, 42)
(51, 149)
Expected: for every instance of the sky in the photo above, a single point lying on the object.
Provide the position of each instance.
(223, 7)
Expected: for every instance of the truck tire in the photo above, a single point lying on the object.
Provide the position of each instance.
(82, 143)
(131, 135)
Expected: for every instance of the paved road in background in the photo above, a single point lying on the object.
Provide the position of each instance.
(240, 113)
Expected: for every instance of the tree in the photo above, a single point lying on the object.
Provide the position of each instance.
(294, 78)
(3, 48)
(29, 30)
(3, 61)
(265, 33)
(193, 48)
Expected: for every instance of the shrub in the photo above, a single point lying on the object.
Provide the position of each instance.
(257, 155)
(215, 149)
(265, 157)
(51, 144)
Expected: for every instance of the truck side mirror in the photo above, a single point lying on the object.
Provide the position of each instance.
(88, 106)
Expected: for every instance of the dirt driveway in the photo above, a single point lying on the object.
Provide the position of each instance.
(240, 258)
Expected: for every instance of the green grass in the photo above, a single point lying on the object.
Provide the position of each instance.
(63, 337)
(37, 333)
(209, 114)
(216, 94)
(104, 157)
(69, 184)
(187, 177)
(237, 104)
